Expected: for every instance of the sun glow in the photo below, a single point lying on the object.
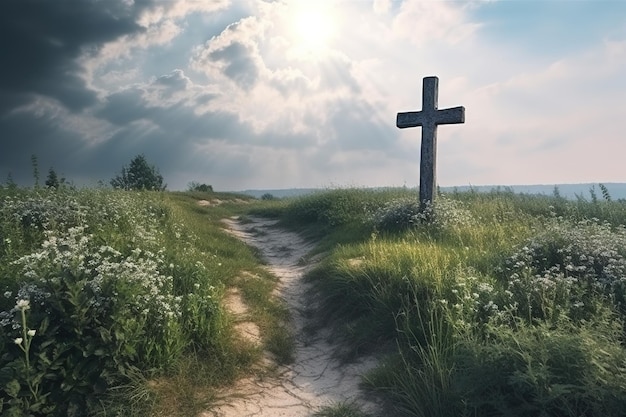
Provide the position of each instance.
(314, 25)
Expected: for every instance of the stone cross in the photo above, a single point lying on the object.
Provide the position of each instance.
(428, 119)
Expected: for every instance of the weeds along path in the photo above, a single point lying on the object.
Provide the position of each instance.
(315, 378)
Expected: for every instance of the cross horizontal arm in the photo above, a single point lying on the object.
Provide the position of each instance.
(451, 116)
(438, 117)
(409, 119)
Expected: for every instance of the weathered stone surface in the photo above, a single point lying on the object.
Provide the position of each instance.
(429, 118)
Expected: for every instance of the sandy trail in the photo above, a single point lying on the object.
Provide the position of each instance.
(315, 378)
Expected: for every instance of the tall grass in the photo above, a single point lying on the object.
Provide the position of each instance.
(494, 304)
(119, 294)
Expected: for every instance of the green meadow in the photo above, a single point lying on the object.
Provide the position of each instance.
(485, 304)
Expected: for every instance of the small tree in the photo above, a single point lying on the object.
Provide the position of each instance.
(11, 185)
(35, 164)
(139, 176)
(53, 180)
(196, 186)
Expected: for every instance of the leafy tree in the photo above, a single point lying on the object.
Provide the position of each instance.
(195, 186)
(139, 176)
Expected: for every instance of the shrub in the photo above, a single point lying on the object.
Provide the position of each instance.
(195, 186)
(403, 213)
(396, 215)
(567, 269)
(98, 314)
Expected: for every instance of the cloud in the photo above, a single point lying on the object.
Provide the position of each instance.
(234, 54)
(424, 22)
(49, 48)
(381, 6)
(268, 87)
(238, 64)
(40, 41)
(59, 138)
(178, 9)
(229, 93)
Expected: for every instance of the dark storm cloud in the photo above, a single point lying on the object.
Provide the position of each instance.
(170, 139)
(40, 41)
(124, 107)
(177, 120)
(24, 135)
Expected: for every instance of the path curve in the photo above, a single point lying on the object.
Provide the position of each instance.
(315, 378)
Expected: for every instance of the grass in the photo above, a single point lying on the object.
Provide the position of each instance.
(254, 282)
(341, 409)
(493, 304)
(145, 274)
(490, 304)
(269, 314)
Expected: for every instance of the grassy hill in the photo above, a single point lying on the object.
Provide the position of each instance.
(489, 304)
(486, 304)
(111, 302)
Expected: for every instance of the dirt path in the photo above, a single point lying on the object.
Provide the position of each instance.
(315, 379)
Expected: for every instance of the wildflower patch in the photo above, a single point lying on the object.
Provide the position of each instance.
(96, 284)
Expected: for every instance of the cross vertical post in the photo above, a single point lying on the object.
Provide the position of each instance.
(429, 118)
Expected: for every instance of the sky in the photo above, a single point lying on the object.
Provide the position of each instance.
(261, 94)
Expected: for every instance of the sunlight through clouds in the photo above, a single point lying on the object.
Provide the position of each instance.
(314, 24)
(317, 83)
